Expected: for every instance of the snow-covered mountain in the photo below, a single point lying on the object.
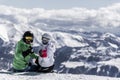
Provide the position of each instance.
(80, 50)
(99, 57)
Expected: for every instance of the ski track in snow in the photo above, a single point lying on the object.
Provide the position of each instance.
(53, 76)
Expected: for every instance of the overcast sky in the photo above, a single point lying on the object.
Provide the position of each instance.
(58, 4)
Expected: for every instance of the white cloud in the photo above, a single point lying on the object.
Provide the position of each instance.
(103, 19)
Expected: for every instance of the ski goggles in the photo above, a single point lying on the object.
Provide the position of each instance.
(45, 39)
(29, 38)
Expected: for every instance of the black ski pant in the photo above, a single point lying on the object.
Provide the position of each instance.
(36, 68)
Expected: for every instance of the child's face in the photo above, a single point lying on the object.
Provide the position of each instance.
(29, 40)
(45, 40)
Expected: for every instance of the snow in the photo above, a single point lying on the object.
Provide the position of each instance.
(73, 64)
(114, 45)
(66, 26)
(3, 33)
(70, 40)
(113, 62)
(101, 48)
(52, 76)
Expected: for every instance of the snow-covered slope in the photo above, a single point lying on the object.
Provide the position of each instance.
(80, 50)
(52, 76)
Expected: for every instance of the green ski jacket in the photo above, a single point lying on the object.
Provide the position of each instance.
(20, 62)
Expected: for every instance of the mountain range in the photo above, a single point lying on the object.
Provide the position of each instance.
(85, 44)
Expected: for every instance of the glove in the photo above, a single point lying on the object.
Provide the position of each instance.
(31, 50)
(29, 64)
(36, 61)
(27, 52)
(40, 52)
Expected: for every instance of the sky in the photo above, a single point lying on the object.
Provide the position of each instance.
(103, 19)
(58, 4)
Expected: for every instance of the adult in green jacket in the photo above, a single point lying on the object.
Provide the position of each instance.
(23, 53)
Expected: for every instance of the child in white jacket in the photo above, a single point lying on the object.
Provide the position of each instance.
(46, 60)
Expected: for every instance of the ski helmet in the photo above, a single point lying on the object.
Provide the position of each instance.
(28, 34)
(46, 38)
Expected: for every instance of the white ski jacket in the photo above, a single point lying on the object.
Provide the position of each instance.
(47, 59)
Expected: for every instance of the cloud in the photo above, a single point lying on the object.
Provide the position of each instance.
(103, 19)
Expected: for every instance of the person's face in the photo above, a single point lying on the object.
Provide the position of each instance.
(45, 40)
(29, 39)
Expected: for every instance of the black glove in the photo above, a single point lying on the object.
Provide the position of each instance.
(36, 61)
(40, 52)
(31, 50)
(29, 64)
(27, 52)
